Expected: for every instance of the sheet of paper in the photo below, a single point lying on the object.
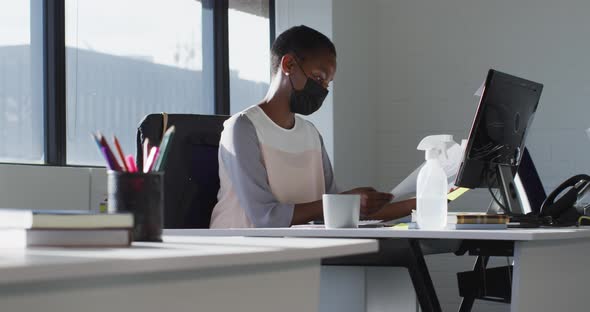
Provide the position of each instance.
(479, 90)
(407, 188)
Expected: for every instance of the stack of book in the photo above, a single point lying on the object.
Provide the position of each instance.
(472, 221)
(50, 228)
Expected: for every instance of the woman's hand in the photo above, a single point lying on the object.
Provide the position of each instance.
(371, 199)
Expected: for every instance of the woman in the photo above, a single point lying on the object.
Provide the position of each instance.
(273, 166)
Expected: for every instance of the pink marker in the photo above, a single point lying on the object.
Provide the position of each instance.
(131, 163)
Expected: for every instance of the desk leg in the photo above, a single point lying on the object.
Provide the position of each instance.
(421, 278)
(407, 253)
(551, 275)
(480, 266)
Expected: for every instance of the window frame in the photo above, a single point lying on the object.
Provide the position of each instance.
(54, 82)
(215, 25)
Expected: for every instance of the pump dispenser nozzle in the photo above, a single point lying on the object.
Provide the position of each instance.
(436, 145)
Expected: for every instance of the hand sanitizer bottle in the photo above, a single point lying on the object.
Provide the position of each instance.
(431, 188)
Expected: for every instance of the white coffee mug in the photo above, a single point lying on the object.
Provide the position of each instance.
(341, 210)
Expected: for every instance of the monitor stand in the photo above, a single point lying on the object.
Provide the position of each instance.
(508, 190)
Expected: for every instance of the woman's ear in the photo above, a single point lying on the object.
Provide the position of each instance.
(287, 63)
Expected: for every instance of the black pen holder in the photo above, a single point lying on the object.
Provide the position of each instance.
(141, 194)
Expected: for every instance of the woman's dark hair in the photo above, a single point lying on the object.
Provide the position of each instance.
(301, 41)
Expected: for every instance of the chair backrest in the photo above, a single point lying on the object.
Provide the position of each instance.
(533, 186)
(191, 179)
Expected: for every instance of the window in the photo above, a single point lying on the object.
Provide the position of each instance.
(249, 52)
(127, 59)
(21, 81)
(72, 67)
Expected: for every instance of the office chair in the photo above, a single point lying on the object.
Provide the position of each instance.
(533, 186)
(191, 179)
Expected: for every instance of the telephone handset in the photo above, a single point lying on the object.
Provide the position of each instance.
(563, 209)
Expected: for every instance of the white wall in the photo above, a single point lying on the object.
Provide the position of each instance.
(355, 93)
(433, 55)
(407, 69)
(318, 15)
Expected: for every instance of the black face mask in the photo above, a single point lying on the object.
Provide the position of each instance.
(309, 99)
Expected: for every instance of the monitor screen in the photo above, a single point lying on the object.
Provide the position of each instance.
(497, 137)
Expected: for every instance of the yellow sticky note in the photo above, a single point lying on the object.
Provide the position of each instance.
(401, 226)
(457, 193)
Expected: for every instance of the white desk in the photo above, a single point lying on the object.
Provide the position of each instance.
(549, 264)
(181, 274)
(509, 234)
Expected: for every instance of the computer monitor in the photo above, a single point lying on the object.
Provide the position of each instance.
(497, 137)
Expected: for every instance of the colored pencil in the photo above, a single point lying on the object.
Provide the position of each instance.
(164, 149)
(151, 159)
(96, 139)
(113, 159)
(146, 151)
(120, 152)
(105, 154)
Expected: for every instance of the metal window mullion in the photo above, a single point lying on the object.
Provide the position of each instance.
(215, 26)
(54, 77)
(221, 44)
